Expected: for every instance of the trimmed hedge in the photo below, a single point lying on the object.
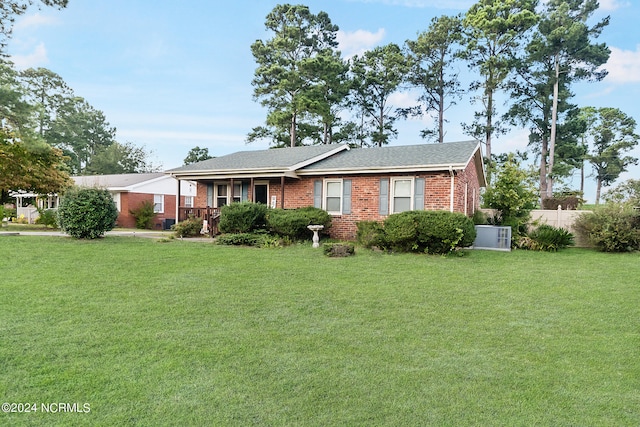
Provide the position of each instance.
(242, 217)
(435, 232)
(293, 223)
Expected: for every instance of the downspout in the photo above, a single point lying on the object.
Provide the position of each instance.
(453, 181)
(466, 198)
(178, 202)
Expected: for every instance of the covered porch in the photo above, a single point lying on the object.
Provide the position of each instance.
(216, 192)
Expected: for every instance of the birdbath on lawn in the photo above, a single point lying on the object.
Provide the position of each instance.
(315, 229)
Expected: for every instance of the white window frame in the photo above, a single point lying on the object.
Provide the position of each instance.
(325, 194)
(188, 201)
(216, 195)
(235, 196)
(158, 199)
(392, 191)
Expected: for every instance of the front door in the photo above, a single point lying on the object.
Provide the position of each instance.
(262, 195)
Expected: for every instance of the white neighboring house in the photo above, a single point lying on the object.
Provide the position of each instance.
(128, 191)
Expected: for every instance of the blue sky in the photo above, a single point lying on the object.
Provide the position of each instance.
(172, 75)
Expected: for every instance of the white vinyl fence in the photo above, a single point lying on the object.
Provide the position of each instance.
(556, 218)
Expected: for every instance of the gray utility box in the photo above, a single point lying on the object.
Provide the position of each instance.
(493, 237)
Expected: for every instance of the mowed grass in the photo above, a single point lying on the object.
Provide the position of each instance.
(187, 333)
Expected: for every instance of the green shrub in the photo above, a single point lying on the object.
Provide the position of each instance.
(338, 249)
(48, 218)
(613, 227)
(190, 227)
(436, 232)
(239, 239)
(259, 239)
(242, 217)
(87, 213)
(370, 234)
(480, 218)
(293, 223)
(547, 238)
(144, 215)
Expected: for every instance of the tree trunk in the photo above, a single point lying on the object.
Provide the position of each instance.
(488, 131)
(293, 129)
(543, 169)
(598, 188)
(554, 119)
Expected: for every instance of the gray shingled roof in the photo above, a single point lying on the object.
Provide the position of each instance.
(277, 158)
(115, 181)
(424, 155)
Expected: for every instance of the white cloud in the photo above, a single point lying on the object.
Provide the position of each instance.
(439, 4)
(33, 21)
(36, 58)
(357, 42)
(611, 5)
(623, 66)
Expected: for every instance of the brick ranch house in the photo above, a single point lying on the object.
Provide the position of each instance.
(351, 184)
(130, 190)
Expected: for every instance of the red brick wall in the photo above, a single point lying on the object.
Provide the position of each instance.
(131, 201)
(365, 190)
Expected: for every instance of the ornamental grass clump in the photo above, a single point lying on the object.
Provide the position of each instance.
(547, 238)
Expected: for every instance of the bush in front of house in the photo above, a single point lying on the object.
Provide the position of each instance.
(370, 234)
(87, 213)
(47, 217)
(190, 227)
(258, 238)
(242, 217)
(144, 214)
(293, 223)
(547, 238)
(614, 227)
(434, 232)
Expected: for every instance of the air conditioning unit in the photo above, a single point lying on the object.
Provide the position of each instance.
(492, 237)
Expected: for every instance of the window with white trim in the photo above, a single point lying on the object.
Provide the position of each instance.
(158, 203)
(401, 194)
(237, 192)
(188, 201)
(221, 195)
(332, 200)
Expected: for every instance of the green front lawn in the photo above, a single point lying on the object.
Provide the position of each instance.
(190, 333)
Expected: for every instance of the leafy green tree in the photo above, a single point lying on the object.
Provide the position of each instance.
(329, 91)
(87, 213)
(30, 165)
(10, 9)
(613, 134)
(81, 131)
(120, 158)
(377, 75)
(282, 81)
(564, 48)
(15, 111)
(494, 31)
(197, 154)
(48, 92)
(513, 195)
(431, 58)
(627, 192)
